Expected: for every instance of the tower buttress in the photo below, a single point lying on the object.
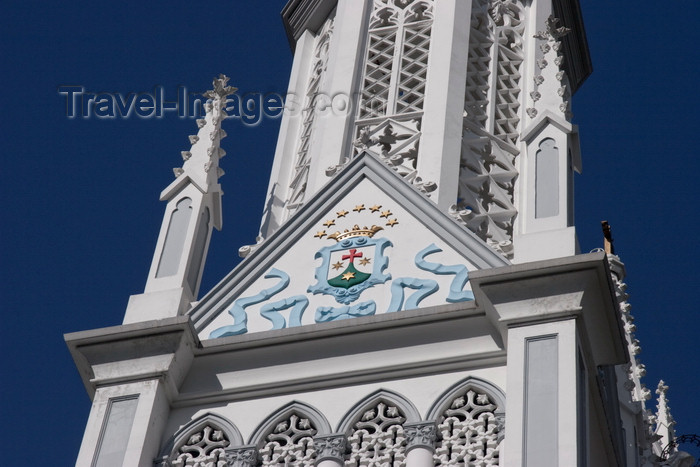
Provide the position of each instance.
(193, 208)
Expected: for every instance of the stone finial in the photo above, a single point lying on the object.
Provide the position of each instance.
(221, 90)
(663, 414)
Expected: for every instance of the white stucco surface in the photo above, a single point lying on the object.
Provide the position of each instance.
(408, 236)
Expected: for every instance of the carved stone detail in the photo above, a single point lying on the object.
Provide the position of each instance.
(492, 103)
(470, 430)
(331, 447)
(420, 435)
(300, 174)
(395, 141)
(205, 151)
(486, 204)
(393, 86)
(290, 443)
(494, 62)
(203, 448)
(246, 456)
(635, 370)
(247, 250)
(378, 438)
(553, 78)
(403, 27)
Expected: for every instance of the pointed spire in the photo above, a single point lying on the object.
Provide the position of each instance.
(193, 209)
(664, 422)
(205, 151)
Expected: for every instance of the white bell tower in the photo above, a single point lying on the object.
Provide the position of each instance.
(468, 101)
(427, 145)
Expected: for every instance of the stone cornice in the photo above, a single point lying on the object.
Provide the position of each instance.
(578, 63)
(132, 352)
(300, 15)
(576, 287)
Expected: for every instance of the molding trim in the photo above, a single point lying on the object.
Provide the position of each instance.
(300, 15)
(578, 65)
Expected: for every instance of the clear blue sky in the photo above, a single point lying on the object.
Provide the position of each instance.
(80, 197)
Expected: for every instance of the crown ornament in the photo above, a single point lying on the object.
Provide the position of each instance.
(356, 231)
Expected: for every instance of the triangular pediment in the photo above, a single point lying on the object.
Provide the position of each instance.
(367, 243)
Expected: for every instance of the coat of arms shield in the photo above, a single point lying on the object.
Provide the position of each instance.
(352, 265)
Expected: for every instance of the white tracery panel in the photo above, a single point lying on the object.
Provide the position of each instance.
(290, 443)
(300, 172)
(377, 439)
(469, 429)
(491, 122)
(204, 448)
(486, 179)
(393, 86)
(478, 65)
(492, 99)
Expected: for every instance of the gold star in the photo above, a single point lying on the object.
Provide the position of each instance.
(320, 234)
(386, 213)
(375, 208)
(392, 222)
(338, 265)
(342, 213)
(329, 222)
(365, 261)
(359, 208)
(348, 275)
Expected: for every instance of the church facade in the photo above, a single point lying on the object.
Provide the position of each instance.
(416, 296)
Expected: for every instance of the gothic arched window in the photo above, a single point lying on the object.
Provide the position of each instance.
(201, 443)
(375, 430)
(470, 424)
(287, 436)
